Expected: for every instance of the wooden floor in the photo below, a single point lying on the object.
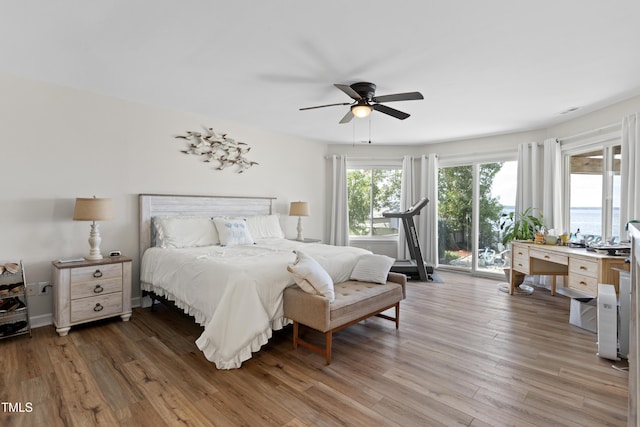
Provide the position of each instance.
(466, 354)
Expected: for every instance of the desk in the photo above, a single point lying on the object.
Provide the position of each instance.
(585, 269)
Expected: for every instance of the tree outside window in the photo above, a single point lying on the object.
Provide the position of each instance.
(455, 209)
(372, 192)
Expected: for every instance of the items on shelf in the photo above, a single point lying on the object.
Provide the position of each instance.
(14, 312)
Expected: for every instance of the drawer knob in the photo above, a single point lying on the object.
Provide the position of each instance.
(97, 274)
(582, 267)
(583, 283)
(98, 307)
(547, 257)
(98, 289)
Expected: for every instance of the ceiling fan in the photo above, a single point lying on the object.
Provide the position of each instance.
(365, 101)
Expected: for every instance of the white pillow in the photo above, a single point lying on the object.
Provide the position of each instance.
(264, 226)
(184, 232)
(372, 268)
(311, 277)
(233, 231)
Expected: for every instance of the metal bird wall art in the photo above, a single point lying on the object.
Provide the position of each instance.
(218, 148)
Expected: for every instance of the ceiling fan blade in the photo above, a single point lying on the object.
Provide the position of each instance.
(349, 91)
(347, 117)
(390, 111)
(327, 105)
(409, 96)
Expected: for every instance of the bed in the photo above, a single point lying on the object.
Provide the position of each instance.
(233, 288)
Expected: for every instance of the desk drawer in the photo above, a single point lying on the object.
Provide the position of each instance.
(98, 272)
(584, 267)
(96, 307)
(549, 256)
(586, 284)
(521, 259)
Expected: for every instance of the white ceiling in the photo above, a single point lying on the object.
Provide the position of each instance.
(484, 67)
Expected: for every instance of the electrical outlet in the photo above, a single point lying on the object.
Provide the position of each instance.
(43, 288)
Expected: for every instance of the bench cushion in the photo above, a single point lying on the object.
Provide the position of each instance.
(356, 299)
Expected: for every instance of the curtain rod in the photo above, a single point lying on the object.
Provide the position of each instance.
(610, 127)
(366, 159)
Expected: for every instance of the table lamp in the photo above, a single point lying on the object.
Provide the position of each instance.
(299, 209)
(93, 209)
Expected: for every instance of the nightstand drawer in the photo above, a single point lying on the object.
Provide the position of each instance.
(584, 267)
(586, 284)
(95, 288)
(96, 307)
(98, 272)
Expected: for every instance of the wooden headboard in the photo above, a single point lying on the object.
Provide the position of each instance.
(181, 205)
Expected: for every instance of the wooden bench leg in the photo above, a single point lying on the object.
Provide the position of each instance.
(328, 338)
(295, 335)
(397, 315)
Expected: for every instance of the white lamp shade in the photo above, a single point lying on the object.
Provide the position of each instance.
(299, 209)
(93, 209)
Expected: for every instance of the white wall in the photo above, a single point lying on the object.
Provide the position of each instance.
(596, 119)
(59, 144)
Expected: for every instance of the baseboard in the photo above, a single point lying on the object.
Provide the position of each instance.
(41, 320)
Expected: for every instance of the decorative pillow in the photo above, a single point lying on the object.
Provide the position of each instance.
(233, 231)
(184, 232)
(263, 226)
(311, 277)
(372, 268)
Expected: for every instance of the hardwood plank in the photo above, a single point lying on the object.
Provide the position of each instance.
(78, 388)
(166, 399)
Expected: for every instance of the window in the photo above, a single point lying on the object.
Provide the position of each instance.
(594, 188)
(372, 191)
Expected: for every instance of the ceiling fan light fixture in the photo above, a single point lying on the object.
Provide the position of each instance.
(361, 110)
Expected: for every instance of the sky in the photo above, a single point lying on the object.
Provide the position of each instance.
(586, 190)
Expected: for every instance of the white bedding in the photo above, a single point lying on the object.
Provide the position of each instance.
(236, 292)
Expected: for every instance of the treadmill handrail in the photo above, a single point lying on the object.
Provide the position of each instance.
(413, 210)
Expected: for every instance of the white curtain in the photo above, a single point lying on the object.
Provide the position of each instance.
(407, 195)
(539, 186)
(552, 195)
(630, 177)
(528, 188)
(339, 228)
(539, 183)
(428, 219)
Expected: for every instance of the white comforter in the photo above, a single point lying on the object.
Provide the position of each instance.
(236, 292)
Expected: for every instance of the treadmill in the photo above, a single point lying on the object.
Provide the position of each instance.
(415, 266)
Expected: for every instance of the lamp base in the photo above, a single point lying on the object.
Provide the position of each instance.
(299, 229)
(94, 242)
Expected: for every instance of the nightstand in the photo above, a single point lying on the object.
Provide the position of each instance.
(84, 291)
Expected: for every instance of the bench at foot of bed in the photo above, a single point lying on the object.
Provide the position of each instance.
(355, 301)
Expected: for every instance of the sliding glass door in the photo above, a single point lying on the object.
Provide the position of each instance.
(471, 200)
(455, 203)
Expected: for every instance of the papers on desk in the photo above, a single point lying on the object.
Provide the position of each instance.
(613, 250)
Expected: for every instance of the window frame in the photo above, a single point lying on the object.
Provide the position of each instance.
(606, 143)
